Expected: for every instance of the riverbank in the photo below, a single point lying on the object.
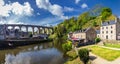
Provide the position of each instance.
(7, 44)
(74, 58)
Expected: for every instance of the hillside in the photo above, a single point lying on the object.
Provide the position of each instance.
(84, 20)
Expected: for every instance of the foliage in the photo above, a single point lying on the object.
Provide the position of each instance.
(84, 55)
(59, 30)
(106, 12)
(72, 54)
(67, 46)
(30, 35)
(83, 21)
(58, 42)
(94, 23)
(75, 61)
(97, 40)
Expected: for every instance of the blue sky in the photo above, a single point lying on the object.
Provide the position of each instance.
(44, 12)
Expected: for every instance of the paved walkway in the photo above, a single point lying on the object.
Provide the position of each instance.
(110, 48)
(98, 60)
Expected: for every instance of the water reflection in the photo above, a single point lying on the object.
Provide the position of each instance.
(47, 56)
(44, 53)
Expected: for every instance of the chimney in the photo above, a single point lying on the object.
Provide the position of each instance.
(116, 19)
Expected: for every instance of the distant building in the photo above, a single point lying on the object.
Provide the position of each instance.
(110, 30)
(98, 33)
(16, 34)
(1, 33)
(86, 35)
(70, 35)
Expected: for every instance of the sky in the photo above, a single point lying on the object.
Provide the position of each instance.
(48, 12)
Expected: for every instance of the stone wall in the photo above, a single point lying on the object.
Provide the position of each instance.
(79, 35)
(111, 41)
(91, 35)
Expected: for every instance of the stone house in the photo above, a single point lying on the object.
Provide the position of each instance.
(86, 35)
(110, 30)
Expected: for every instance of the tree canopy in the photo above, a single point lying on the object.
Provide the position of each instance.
(83, 21)
(106, 12)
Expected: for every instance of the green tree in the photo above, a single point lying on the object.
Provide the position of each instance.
(97, 40)
(94, 23)
(84, 55)
(106, 12)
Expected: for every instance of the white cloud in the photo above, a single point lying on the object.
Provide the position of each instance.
(15, 8)
(2, 2)
(68, 9)
(24, 9)
(54, 9)
(84, 5)
(12, 20)
(4, 10)
(77, 1)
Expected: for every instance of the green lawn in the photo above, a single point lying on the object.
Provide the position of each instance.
(112, 45)
(75, 61)
(107, 54)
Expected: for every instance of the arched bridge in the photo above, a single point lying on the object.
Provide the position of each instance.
(19, 29)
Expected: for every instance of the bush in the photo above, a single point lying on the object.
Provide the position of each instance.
(72, 54)
(67, 46)
(84, 55)
(97, 40)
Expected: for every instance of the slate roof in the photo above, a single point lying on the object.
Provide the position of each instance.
(108, 23)
(83, 30)
(98, 31)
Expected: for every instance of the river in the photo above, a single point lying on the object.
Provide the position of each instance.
(43, 53)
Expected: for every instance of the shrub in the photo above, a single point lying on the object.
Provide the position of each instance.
(67, 46)
(84, 55)
(97, 40)
(72, 54)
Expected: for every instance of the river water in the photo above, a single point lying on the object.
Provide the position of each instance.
(43, 53)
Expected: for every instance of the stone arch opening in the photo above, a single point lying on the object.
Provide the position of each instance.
(36, 30)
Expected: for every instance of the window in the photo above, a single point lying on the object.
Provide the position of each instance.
(106, 31)
(106, 36)
(106, 27)
(102, 27)
(103, 32)
(111, 27)
(111, 31)
(98, 35)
